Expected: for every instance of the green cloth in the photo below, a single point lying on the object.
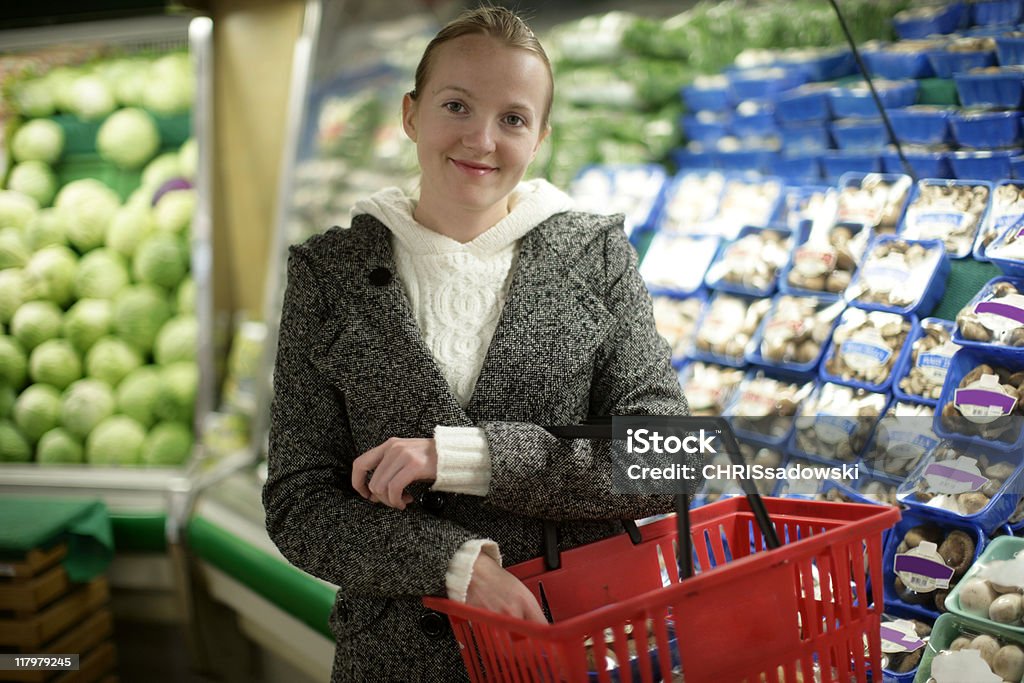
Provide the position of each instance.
(966, 278)
(27, 523)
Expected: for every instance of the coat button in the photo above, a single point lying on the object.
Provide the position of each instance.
(380, 276)
(432, 624)
(434, 501)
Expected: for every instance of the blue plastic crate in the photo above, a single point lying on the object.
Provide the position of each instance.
(994, 224)
(922, 125)
(837, 164)
(1004, 88)
(880, 354)
(1010, 50)
(754, 354)
(953, 226)
(895, 612)
(763, 83)
(1009, 266)
(1017, 167)
(897, 64)
(860, 135)
(911, 519)
(910, 24)
(784, 284)
(735, 361)
(989, 518)
(674, 265)
(986, 129)
(857, 102)
(714, 277)
(706, 130)
(758, 124)
(1009, 314)
(707, 99)
(923, 164)
(991, 166)
(931, 292)
(908, 438)
(946, 63)
(805, 138)
(825, 65)
(681, 345)
(936, 364)
(776, 433)
(992, 12)
(745, 160)
(687, 160)
(964, 361)
(816, 416)
(800, 169)
(802, 104)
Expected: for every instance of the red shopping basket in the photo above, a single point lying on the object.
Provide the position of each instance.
(800, 612)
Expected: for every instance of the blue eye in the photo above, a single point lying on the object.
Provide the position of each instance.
(515, 120)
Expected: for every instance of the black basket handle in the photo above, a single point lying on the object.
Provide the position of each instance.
(601, 428)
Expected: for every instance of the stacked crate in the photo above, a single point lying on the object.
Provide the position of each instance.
(43, 613)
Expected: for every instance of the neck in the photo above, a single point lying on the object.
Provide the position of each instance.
(459, 224)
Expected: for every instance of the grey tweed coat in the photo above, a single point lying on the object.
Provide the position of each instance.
(576, 338)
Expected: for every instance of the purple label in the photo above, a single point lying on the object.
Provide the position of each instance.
(900, 639)
(984, 398)
(956, 475)
(923, 567)
(1002, 310)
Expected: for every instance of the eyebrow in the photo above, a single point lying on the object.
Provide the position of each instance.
(459, 88)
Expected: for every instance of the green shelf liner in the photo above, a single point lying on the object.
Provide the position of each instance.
(937, 91)
(80, 136)
(966, 278)
(145, 532)
(27, 523)
(292, 590)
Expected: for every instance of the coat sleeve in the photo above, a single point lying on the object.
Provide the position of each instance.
(538, 474)
(314, 516)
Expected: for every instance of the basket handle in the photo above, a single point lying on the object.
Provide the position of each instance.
(600, 427)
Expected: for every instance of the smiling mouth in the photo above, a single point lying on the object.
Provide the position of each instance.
(472, 168)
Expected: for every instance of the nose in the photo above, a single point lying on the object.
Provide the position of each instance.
(479, 137)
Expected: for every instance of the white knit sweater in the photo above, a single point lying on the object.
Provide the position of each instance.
(457, 292)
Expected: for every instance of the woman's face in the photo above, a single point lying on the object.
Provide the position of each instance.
(477, 125)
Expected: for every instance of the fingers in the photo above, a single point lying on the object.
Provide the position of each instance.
(395, 464)
(363, 465)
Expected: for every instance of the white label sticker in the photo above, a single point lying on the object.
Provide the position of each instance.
(900, 636)
(954, 476)
(928, 225)
(934, 363)
(960, 666)
(984, 401)
(887, 274)
(834, 429)
(865, 351)
(922, 569)
(1001, 314)
(814, 260)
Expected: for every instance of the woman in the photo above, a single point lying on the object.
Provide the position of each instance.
(421, 349)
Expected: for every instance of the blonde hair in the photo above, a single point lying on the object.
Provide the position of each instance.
(496, 22)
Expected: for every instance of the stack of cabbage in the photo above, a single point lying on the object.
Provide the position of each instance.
(97, 319)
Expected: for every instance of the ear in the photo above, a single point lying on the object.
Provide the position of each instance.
(409, 116)
(543, 136)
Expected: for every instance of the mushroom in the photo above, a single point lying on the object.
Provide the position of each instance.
(976, 596)
(987, 646)
(1006, 609)
(958, 552)
(1008, 663)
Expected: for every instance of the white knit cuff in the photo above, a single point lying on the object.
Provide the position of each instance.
(460, 569)
(463, 461)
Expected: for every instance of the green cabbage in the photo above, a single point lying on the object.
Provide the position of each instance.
(176, 399)
(116, 440)
(13, 445)
(32, 98)
(35, 179)
(14, 250)
(55, 362)
(90, 98)
(160, 260)
(38, 140)
(185, 299)
(173, 213)
(45, 229)
(101, 274)
(37, 411)
(7, 398)
(86, 208)
(128, 138)
(159, 171)
(50, 272)
(13, 362)
(131, 225)
(168, 444)
(177, 340)
(13, 290)
(110, 359)
(188, 156)
(35, 322)
(87, 321)
(137, 394)
(58, 447)
(171, 86)
(84, 405)
(139, 312)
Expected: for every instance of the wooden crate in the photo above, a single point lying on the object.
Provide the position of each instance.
(30, 631)
(34, 563)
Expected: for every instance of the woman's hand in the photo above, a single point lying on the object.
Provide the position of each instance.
(395, 464)
(494, 589)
